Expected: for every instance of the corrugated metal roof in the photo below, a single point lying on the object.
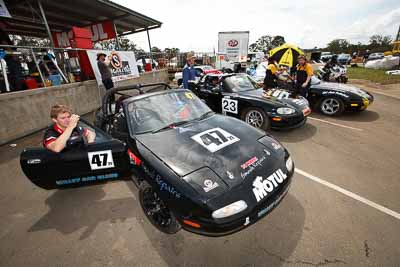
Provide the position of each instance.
(63, 14)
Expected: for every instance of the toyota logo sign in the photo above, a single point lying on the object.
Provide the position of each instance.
(233, 43)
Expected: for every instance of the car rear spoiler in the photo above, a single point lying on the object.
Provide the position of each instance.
(113, 91)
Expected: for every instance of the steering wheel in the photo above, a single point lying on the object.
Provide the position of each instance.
(145, 114)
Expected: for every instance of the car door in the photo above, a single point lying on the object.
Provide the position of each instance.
(105, 159)
(212, 97)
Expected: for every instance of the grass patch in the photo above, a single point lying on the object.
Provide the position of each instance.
(376, 76)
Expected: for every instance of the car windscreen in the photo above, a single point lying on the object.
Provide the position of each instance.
(157, 111)
(239, 83)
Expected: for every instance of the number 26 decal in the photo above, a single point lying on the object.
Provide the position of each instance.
(230, 105)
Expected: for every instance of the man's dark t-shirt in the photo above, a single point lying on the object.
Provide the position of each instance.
(53, 132)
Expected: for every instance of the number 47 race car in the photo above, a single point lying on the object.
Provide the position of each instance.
(207, 173)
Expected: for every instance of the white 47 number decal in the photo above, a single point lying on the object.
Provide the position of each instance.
(101, 160)
(230, 105)
(215, 139)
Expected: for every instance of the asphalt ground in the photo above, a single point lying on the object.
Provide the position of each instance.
(342, 209)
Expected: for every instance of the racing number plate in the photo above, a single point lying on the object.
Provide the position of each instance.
(101, 160)
(215, 139)
(229, 105)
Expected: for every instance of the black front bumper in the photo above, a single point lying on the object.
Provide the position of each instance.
(288, 123)
(258, 212)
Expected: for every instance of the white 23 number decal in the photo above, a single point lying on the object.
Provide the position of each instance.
(230, 105)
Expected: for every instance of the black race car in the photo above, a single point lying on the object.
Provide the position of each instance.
(238, 95)
(334, 98)
(207, 173)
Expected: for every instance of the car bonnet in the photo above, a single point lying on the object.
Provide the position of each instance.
(239, 157)
(342, 88)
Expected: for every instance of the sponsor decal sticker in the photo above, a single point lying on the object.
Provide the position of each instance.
(209, 185)
(87, 179)
(261, 186)
(189, 95)
(230, 175)
(164, 186)
(101, 160)
(247, 222)
(215, 139)
(250, 165)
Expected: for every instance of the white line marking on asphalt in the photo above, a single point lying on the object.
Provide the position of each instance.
(336, 124)
(350, 194)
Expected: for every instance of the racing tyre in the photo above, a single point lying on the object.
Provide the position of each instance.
(156, 211)
(256, 117)
(331, 106)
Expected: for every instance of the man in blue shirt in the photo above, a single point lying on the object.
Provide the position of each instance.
(189, 73)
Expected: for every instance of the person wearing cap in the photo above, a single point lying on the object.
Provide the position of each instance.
(304, 72)
(105, 71)
(189, 73)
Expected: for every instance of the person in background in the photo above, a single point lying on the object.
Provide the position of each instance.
(271, 76)
(304, 72)
(15, 72)
(189, 72)
(105, 71)
(65, 126)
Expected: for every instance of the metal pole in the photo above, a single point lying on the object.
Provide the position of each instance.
(116, 38)
(37, 67)
(151, 56)
(45, 23)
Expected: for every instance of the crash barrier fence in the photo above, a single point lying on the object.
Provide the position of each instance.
(175, 61)
(27, 67)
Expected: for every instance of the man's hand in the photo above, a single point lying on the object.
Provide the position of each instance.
(304, 85)
(73, 121)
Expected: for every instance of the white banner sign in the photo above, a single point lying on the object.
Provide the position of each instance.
(121, 63)
(3, 10)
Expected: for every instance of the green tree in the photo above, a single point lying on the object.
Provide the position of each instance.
(278, 41)
(339, 46)
(266, 43)
(155, 49)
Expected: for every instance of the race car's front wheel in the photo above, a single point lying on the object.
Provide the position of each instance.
(331, 106)
(156, 211)
(257, 118)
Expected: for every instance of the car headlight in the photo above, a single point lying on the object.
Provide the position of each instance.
(230, 210)
(285, 111)
(289, 164)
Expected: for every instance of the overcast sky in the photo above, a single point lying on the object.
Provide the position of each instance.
(194, 25)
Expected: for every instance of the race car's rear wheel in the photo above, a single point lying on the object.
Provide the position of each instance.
(156, 211)
(331, 106)
(257, 118)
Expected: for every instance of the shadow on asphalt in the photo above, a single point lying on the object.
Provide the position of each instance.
(364, 116)
(270, 241)
(296, 135)
(76, 208)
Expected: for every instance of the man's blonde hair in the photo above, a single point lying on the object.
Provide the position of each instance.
(58, 109)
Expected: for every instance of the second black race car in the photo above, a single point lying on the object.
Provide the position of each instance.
(333, 99)
(207, 173)
(238, 95)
